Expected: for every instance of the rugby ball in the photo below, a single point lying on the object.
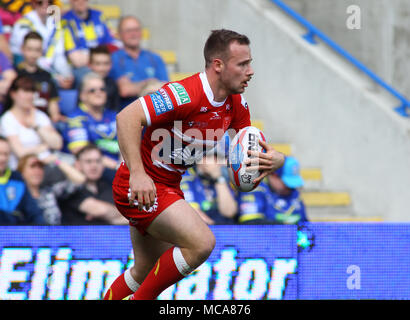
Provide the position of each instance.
(246, 139)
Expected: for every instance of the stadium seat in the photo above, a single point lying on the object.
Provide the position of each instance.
(285, 148)
(176, 76)
(322, 198)
(258, 124)
(68, 101)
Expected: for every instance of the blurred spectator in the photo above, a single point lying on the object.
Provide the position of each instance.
(53, 57)
(48, 195)
(46, 98)
(7, 75)
(21, 6)
(16, 203)
(276, 201)
(92, 203)
(209, 193)
(92, 122)
(136, 70)
(84, 28)
(100, 63)
(27, 129)
(8, 19)
(4, 43)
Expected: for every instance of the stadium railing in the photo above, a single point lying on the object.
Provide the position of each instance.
(313, 31)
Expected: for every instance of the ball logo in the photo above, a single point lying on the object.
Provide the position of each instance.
(253, 143)
(246, 178)
(247, 139)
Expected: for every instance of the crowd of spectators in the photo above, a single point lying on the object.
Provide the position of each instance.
(57, 163)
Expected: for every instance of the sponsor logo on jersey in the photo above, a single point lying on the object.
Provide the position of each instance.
(180, 94)
(215, 116)
(161, 102)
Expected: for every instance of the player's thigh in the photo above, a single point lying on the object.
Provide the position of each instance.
(181, 225)
(146, 250)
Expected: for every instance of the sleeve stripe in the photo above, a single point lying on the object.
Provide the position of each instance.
(145, 108)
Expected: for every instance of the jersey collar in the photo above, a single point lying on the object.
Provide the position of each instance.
(208, 91)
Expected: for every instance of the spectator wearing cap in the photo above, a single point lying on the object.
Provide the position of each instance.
(285, 204)
(275, 200)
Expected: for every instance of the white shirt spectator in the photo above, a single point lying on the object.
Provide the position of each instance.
(10, 126)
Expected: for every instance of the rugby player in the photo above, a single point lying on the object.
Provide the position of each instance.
(159, 137)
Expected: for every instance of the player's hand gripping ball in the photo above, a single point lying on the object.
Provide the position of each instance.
(246, 139)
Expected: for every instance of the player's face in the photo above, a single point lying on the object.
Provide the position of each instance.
(237, 69)
(91, 165)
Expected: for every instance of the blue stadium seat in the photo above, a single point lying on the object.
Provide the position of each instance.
(68, 101)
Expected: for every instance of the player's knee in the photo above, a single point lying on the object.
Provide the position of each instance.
(206, 246)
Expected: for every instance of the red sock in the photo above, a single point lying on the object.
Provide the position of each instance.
(169, 269)
(122, 287)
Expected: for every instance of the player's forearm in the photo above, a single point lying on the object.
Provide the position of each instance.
(129, 122)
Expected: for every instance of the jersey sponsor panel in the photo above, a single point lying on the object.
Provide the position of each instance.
(161, 102)
(180, 93)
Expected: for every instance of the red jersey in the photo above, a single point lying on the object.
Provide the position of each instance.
(183, 123)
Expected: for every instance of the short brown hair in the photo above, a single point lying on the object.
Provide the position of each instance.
(101, 49)
(218, 43)
(23, 82)
(32, 35)
(86, 148)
